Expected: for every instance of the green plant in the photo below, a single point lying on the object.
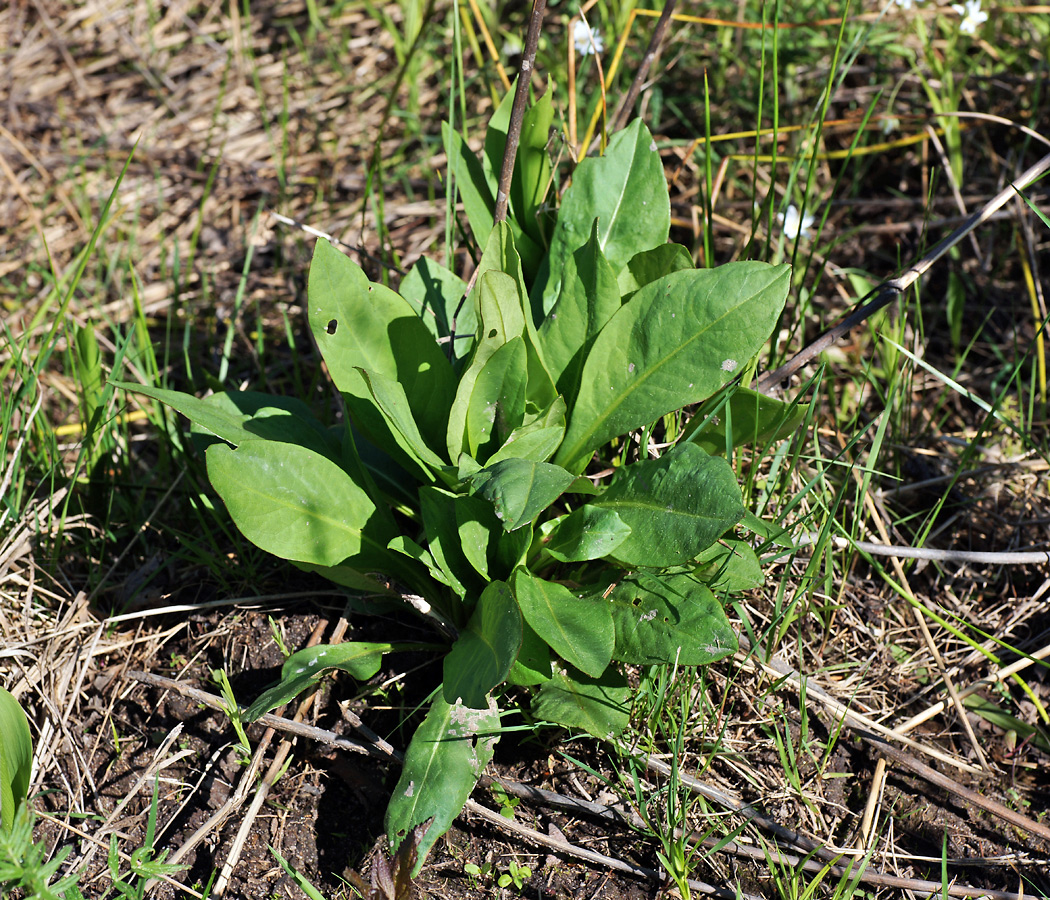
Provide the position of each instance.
(503, 458)
(16, 759)
(515, 874)
(144, 863)
(233, 711)
(24, 865)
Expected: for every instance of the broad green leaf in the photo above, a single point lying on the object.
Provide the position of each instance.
(587, 300)
(408, 547)
(676, 342)
(436, 294)
(360, 325)
(730, 565)
(589, 532)
(493, 552)
(299, 505)
(578, 629)
(599, 706)
(537, 439)
(305, 667)
(483, 653)
(389, 398)
(479, 198)
(381, 472)
(675, 506)
(496, 138)
(221, 420)
(532, 167)
(626, 191)
(533, 665)
(497, 402)
(755, 419)
(651, 265)
(16, 758)
(519, 489)
(443, 762)
(469, 177)
(502, 320)
(238, 416)
(501, 255)
(438, 508)
(346, 576)
(666, 619)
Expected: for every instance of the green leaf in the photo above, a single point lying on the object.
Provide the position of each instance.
(587, 300)
(651, 265)
(360, 325)
(537, 439)
(222, 420)
(675, 506)
(502, 320)
(666, 619)
(408, 547)
(436, 294)
(478, 201)
(732, 566)
(519, 489)
(532, 167)
(578, 629)
(589, 532)
(598, 706)
(438, 509)
(501, 255)
(626, 191)
(393, 405)
(482, 655)
(493, 552)
(533, 665)
(478, 197)
(16, 758)
(496, 138)
(991, 712)
(497, 402)
(756, 419)
(345, 576)
(299, 505)
(305, 667)
(676, 342)
(443, 762)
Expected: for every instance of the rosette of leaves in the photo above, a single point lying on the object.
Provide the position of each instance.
(481, 415)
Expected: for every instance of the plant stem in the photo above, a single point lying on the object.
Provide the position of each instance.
(517, 112)
(624, 110)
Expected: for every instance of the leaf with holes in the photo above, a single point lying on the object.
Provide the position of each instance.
(675, 506)
(668, 618)
(443, 762)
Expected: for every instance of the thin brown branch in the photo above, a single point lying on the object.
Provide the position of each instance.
(626, 104)
(517, 112)
(773, 382)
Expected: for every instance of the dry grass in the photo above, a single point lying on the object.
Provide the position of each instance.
(229, 117)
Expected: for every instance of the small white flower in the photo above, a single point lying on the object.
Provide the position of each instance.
(904, 4)
(587, 40)
(794, 224)
(972, 17)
